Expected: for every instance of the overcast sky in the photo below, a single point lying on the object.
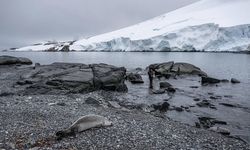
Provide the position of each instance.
(24, 22)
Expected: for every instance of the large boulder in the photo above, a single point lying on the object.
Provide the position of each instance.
(186, 68)
(134, 78)
(74, 78)
(108, 77)
(168, 69)
(10, 60)
(164, 68)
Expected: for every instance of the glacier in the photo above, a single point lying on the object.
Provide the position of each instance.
(207, 25)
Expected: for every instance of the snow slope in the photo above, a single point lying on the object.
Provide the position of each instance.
(207, 25)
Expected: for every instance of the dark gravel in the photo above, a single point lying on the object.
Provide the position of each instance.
(31, 121)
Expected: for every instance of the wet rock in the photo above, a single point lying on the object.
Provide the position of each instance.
(209, 80)
(36, 65)
(163, 107)
(228, 96)
(206, 122)
(233, 80)
(196, 99)
(224, 80)
(205, 103)
(25, 82)
(92, 101)
(194, 87)
(165, 85)
(171, 90)
(160, 91)
(228, 105)
(61, 104)
(74, 78)
(108, 77)
(179, 109)
(135, 78)
(221, 130)
(10, 60)
(220, 122)
(163, 68)
(186, 68)
(6, 94)
(197, 125)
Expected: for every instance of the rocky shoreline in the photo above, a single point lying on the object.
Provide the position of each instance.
(37, 101)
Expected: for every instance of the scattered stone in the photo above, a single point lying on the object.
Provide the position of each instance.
(228, 96)
(224, 80)
(194, 87)
(163, 107)
(214, 97)
(165, 85)
(135, 78)
(61, 104)
(205, 103)
(227, 105)
(221, 130)
(92, 101)
(114, 104)
(25, 82)
(206, 122)
(197, 125)
(160, 91)
(196, 99)
(220, 122)
(171, 90)
(10, 60)
(233, 80)
(6, 94)
(179, 109)
(209, 80)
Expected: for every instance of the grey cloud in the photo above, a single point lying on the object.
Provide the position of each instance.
(26, 21)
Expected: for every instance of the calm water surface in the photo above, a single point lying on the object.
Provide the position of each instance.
(222, 65)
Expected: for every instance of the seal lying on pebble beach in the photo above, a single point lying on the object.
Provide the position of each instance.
(84, 123)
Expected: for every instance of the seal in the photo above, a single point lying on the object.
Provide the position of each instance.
(82, 124)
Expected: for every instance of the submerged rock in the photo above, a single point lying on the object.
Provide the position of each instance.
(10, 60)
(163, 107)
(135, 78)
(165, 85)
(209, 80)
(233, 80)
(160, 91)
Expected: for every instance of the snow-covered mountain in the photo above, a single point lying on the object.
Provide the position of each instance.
(207, 25)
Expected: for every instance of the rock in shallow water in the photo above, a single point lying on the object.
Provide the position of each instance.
(233, 80)
(135, 78)
(221, 130)
(165, 85)
(209, 80)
